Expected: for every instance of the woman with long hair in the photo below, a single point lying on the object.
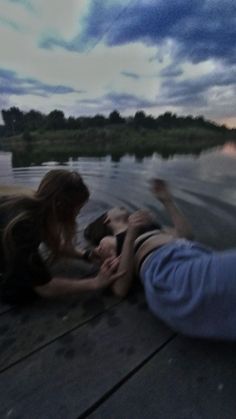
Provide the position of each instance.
(49, 217)
(192, 288)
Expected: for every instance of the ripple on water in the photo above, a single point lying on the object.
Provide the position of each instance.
(203, 185)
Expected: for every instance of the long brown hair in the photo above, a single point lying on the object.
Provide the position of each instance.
(54, 207)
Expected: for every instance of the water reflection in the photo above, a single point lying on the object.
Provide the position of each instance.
(203, 185)
(30, 155)
(229, 149)
(6, 172)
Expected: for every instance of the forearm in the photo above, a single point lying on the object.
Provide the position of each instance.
(59, 287)
(182, 226)
(122, 285)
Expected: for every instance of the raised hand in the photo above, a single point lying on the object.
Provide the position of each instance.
(161, 190)
(139, 219)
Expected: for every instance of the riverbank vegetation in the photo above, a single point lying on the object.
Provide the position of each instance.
(56, 136)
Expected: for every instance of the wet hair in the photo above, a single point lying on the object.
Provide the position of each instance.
(97, 230)
(54, 207)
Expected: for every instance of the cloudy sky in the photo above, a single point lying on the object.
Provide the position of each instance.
(94, 56)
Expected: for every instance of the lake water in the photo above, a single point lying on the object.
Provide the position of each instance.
(204, 187)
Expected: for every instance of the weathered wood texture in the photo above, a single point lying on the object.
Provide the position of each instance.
(68, 376)
(103, 358)
(4, 308)
(188, 379)
(23, 331)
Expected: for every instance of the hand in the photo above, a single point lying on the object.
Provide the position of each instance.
(116, 217)
(139, 219)
(160, 189)
(107, 275)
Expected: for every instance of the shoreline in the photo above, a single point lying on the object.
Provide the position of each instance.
(116, 140)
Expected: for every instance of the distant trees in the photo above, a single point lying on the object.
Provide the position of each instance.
(55, 120)
(98, 121)
(14, 120)
(72, 123)
(115, 118)
(166, 120)
(3, 132)
(139, 118)
(143, 120)
(19, 122)
(33, 120)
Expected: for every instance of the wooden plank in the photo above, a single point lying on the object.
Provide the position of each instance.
(4, 308)
(24, 330)
(65, 378)
(187, 379)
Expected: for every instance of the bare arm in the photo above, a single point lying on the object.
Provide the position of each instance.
(181, 224)
(123, 284)
(59, 287)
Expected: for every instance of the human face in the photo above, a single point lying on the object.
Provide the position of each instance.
(106, 248)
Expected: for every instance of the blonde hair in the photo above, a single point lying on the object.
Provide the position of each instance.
(54, 205)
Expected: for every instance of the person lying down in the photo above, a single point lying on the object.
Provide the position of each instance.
(191, 287)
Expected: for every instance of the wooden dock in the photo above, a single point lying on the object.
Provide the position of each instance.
(102, 357)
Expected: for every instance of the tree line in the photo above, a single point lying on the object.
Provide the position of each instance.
(18, 122)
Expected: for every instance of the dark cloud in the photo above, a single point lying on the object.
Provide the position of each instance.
(120, 101)
(194, 91)
(171, 71)
(126, 101)
(202, 29)
(7, 74)
(185, 94)
(50, 43)
(130, 74)
(93, 102)
(12, 84)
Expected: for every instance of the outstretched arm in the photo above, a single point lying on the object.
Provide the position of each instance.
(60, 287)
(181, 224)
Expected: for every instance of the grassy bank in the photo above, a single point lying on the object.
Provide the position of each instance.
(116, 140)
